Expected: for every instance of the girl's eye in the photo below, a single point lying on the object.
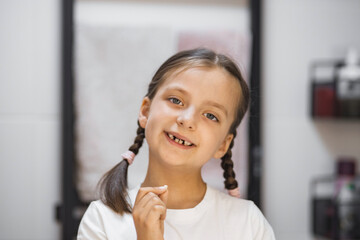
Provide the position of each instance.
(211, 117)
(176, 101)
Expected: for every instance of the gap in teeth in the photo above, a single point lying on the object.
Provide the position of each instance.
(180, 141)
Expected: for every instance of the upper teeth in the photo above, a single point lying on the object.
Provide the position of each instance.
(183, 142)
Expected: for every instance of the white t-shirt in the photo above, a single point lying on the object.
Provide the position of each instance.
(218, 216)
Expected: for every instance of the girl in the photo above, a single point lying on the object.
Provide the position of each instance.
(194, 104)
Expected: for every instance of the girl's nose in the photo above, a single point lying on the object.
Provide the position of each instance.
(187, 119)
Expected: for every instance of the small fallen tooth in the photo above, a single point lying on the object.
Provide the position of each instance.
(181, 141)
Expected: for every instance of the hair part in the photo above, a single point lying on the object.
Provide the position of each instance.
(113, 185)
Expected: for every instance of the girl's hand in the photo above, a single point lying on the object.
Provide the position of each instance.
(149, 212)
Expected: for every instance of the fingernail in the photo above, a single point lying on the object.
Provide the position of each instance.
(163, 187)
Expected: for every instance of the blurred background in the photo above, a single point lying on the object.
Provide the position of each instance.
(301, 141)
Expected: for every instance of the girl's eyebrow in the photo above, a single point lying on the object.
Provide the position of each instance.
(211, 103)
(217, 105)
(183, 91)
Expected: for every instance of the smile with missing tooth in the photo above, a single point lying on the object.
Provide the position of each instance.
(178, 140)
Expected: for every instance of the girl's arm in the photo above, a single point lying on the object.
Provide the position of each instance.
(149, 213)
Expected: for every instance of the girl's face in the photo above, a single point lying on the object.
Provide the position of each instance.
(187, 122)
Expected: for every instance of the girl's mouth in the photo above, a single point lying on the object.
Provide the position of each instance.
(179, 140)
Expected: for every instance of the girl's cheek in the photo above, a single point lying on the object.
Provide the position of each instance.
(169, 111)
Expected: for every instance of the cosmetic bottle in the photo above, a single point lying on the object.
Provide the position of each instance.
(347, 200)
(323, 207)
(348, 86)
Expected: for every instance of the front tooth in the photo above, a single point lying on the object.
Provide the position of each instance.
(181, 141)
(177, 140)
(187, 143)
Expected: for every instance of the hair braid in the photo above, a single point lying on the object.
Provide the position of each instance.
(113, 185)
(228, 166)
(138, 140)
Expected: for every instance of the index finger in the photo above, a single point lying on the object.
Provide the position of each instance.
(144, 190)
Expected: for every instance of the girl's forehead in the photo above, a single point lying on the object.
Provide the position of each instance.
(208, 77)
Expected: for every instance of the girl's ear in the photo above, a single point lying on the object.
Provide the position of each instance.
(224, 146)
(144, 112)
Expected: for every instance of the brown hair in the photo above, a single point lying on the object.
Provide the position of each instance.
(113, 185)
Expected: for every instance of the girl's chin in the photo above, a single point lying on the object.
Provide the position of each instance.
(172, 161)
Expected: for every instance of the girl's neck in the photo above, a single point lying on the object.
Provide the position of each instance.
(186, 188)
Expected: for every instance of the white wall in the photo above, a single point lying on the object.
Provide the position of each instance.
(29, 118)
(297, 148)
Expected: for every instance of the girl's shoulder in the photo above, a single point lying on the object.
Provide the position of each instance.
(235, 205)
(230, 202)
(102, 214)
(101, 222)
(243, 213)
